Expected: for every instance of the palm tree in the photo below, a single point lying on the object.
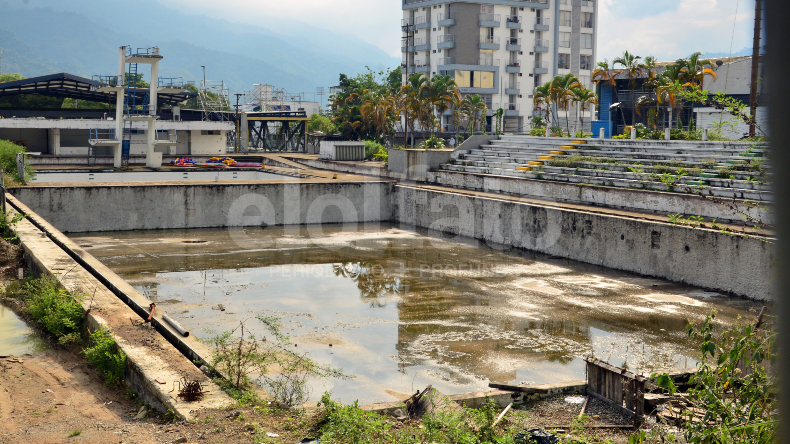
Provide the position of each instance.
(585, 98)
(542, 97)
(562, 94)
(634, 69)
(458, 110)
(474, 105)
(377, 110)
(412, 102)
(439, 93)
(694, 69)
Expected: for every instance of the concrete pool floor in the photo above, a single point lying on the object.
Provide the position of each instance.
(404, 308)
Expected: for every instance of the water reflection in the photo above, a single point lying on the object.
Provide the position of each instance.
(16, 338)
(404, 309)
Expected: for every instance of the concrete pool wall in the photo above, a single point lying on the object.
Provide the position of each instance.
(707, 258)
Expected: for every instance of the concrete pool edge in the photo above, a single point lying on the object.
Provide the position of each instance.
(47, 251)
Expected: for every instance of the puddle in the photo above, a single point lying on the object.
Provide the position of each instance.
(404, 309)
(16, 338)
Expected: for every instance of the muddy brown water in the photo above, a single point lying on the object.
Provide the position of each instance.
(16, 337)
(405, 308)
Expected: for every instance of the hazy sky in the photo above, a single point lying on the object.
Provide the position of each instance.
(667, 29)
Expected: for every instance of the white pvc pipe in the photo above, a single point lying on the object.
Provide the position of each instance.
(633, 133)
(602, 133)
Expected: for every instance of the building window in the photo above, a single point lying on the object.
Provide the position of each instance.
(587, 41)
(564, 61)
(587, 20)
(474, 79)
(565, 40)
(565, 18)
(586, 62)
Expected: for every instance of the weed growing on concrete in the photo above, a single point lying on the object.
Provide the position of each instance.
(238, 354)
(7, 223)
(52, 306)
(103, 352)
(8, 152)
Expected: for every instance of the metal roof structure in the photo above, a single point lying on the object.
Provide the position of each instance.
(66, 85)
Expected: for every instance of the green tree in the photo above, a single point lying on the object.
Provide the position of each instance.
(475, 106)
(321, 123)
(542, 97)
(562, 94)
(634, 69)
(11, 77)
(438, 93)
(585, 98)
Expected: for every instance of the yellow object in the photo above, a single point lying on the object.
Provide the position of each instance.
(567, 147)
(534, 162)
(559, 153)
(579, 142)
(524, 169)
(334, 176)
(545, 157)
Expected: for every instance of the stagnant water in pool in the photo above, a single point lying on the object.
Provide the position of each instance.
(404, 308)
(16, 338)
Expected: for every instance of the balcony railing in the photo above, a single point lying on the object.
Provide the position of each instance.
(421, 41)
(566, 44)
(490, 17)
(488, 62)
(143, 51)
(511, 107)
(543, 43)
(514, 19)
(102, 134)
(541, 64)
(407, 22)
(512, 41)
(587, 3)
(588, 25)
(445, 16)
(445, 38)
(565, 23)
(447, 61)
(565, 2)
(514, 63)
(173, 82)
(422, 62)
(489, 39)
(421, 20)
(584, 65)
(513, 85)
(563, 65)
(107, 80)
(543, 21)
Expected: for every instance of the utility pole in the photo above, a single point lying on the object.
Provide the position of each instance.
(407, 28)
(758, 14)
(238, 122)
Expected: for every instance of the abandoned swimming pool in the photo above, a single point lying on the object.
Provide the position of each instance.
(405, 308)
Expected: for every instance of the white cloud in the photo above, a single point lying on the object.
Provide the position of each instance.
(695, 25)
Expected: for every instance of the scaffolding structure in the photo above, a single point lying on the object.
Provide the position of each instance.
(214, 98)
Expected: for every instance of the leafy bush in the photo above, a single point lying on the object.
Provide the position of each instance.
(557, 131)
(433, 143)
(59, 312)
(8, 152)
(321, 123)
(371, 148)
(537, 132)
(103, 352)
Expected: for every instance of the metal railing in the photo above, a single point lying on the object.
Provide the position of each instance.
(166, 135)
(563, 65)
(511, 107)
(107, 80)
(488, 62)
(587, 3)
(173, 82)
(422, 62)
(514, 63)
(565, 23)
(407, 22)
(541, 64)
(102, 134)
(445, 38)
(513, 85)
(588, 25)
(422, 19)
(513, 41)
(421, 41)
(566, 44)
(143, 51)
(514, 19)
(565, 2)
(489, 39)
(543, 43)
(445, 16)
(490, 17)
(584, 65)
(447, 61)
(543, 21)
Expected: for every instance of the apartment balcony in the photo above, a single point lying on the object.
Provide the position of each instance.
(511, 109)
(490, 20)
(422, 65)
(587, 25)
(587, 4)
(541, 45)
(422, 22)
(407, 25)
(491, 108)
(542, 24)
(513, 22)
(513, 88)
(445, 19)
(565, 4)
(513, 44)
(566, 44)
(563, 65)
(540, 67)
(513, 66)
(422, 44)
(445, 41)
(585, 66)
(488, 62)
(489, 42)
(446, 61)
(565, 23)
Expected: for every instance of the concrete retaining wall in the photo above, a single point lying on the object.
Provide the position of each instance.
(206, 204)
(700, 257)
(415, 164)
(610, 197)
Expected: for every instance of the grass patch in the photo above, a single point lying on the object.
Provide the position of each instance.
(103, 353)
(51, 306)
(77, 432)
(8, 152)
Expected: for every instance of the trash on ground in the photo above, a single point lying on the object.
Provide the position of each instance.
(575, 399)
(536, 436)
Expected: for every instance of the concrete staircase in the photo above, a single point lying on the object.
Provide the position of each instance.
(725, 169)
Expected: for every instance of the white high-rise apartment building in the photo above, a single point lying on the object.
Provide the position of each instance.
(500, 49)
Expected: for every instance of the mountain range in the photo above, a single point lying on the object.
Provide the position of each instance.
(82, 37)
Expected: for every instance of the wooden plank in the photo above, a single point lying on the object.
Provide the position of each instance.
(614, 369)
(543, 388)
(618, 390)
(619, 408)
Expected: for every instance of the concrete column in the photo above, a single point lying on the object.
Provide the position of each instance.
(547, 129)
(667, 134)
(54, 141)
(602, 133)
(633, 133)
(705, 134)
(120, 95)
(154, 88)
(151, 159)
